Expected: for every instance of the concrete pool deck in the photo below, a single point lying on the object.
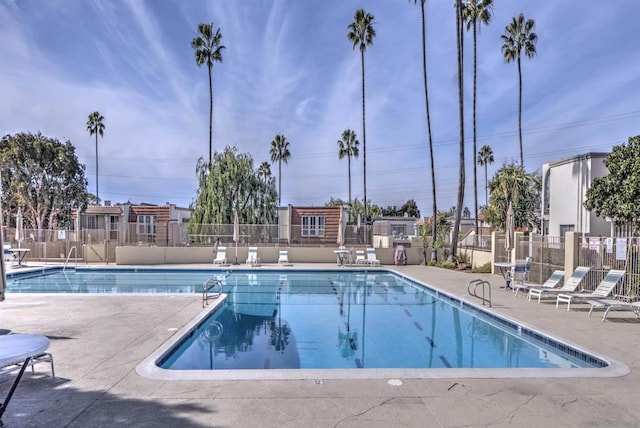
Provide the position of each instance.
(99, 340)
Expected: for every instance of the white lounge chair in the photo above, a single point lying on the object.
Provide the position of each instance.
(602, 291)
(283, 256)
(371, 257)
(252, 258)
(221, 256)
(570, 285)
(360, 258)
(552, 282)
(614, 305)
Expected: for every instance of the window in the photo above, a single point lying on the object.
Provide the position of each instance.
(564, 228)
(398, 229)
(147, 225)
(312, 226)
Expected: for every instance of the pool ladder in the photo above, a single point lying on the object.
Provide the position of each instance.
(472, 289)
(212, 289)
(66, 262)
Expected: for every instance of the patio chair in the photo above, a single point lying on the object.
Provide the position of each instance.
(603, 290)
(283, 256)
(551, 282)
(252, 259)
(520, 272)
(371, 257)
(614, 305)
(570, 285)
(360, 258)
(221, 256)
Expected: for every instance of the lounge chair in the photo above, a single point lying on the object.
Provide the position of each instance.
(551, 282)
(252, 259)
(371, 257)
(283, 256)
(570, 285)
(614, 305)
(221, 256)
(360, 258)
(602, 291)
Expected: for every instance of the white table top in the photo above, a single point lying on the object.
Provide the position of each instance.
(504, 264)
(340, 251)
(20, 250)
(15, 348)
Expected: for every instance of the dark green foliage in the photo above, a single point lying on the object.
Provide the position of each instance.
(43, 177)
(617, 194)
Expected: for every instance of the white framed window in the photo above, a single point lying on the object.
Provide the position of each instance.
(312, 226)
(147, 225)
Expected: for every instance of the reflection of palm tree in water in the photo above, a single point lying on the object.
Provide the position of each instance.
(347, 342)
(280, 332)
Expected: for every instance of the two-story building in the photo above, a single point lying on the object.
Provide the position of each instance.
(564, 188)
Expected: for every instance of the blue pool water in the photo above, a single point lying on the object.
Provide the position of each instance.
(326, 319)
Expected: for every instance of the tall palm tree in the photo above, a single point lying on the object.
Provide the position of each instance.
(361, 34)
(461, 177)
(95, 126)
(280, 153)
(208, 50)
(426, 100)
(476, 12)
(264, 171)
(519, 36)
(348, 146)
(485, 157)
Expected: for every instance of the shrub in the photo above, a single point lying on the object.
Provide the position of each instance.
(448, 265)
(485, 268)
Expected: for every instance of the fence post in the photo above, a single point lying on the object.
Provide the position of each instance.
(571, 252)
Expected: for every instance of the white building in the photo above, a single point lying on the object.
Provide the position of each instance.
(565, 183)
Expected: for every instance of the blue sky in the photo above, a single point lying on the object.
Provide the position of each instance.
(289, 68)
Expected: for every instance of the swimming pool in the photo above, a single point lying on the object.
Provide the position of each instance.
(345, 321)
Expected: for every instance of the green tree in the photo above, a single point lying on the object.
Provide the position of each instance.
(485, 157)
(264, 171)
(208, 50)
(280, 153)
(348, 147)
(95, 126)
(461, 177)
(361, 34)
(230, 184)
(426, 100)
(519, 36)
(476, 12)
(43, 177)
(512, 184)
(616, 195)
(356, 208)
(410, 208)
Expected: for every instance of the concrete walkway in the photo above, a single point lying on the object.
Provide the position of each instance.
(98, 341)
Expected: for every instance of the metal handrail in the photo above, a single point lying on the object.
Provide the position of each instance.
(485, 286)
(69, 256)
(210, 284)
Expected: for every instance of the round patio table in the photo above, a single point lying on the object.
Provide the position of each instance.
(19, 349)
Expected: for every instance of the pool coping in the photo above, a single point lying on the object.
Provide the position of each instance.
(148, 367)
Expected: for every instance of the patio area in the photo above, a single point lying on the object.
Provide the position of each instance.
(97, 342)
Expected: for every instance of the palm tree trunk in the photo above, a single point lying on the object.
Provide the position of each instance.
(364, 150)
(475, 149)
(280, 182)
(210, 117)
(434, 255)
(520, 113)
(349, 168)
(97, 197)
(461, 178)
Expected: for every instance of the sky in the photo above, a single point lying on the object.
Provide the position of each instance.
(288, 68)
